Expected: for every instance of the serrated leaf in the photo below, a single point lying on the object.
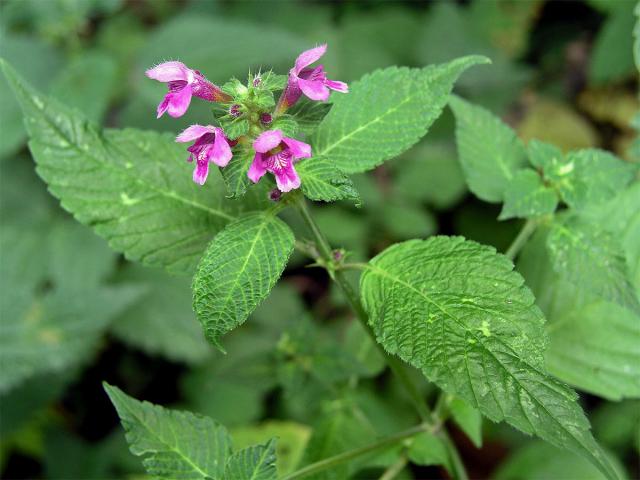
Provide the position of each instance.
(545, 156)
(385, 113)
(238, 270)
(322, 181)
(236, 128)
(257, 462)
(235, 174)
(489, 150)
(527, 196)
(287, 124)
(173, 444)
(594, 343)
(468, 419)
(309, 114)
(590, 177)
(132, 187)
(592, 259)
(446, 306)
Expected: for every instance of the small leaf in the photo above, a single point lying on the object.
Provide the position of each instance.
(468, 419)
(253, 463)
(235, 175)
(590, 177)
(287, 124)
(134, 188)
(490, 152)
(544, 155)
(238, 270)
(592, 259)
(309, 114)
(173, 444)
(446, 306)
(527, 196)
(385, 113)
(322, 181)
(427, 449)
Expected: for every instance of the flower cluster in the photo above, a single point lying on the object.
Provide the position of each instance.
(251, 117)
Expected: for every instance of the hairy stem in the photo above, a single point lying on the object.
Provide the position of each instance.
(397, 367)
(519, 242)
(356, 452)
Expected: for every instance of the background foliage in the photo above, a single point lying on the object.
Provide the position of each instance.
(74, 313)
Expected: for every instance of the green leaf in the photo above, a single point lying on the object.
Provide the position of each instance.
(446, 305)
(427, 449)
(468, 419)
(173, 444)
(235, 174)
(590, 177)
(385, 113)
(538, 461)
(612, 54)
(592, 259)
(287, 124)
(236, 128)
(161, 322)
(593, 342)
(527, 196)
(253, 463)
(309, 114)
(132, 187)
(544, 156)
(322, 181)
(490, 152)
(238, 270)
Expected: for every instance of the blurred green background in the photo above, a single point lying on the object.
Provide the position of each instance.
(562, 71)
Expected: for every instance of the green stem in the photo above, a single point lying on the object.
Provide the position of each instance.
(519, 242)
(397, 367)
(356, 452)
(394, 469)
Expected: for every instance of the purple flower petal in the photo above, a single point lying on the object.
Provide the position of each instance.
(220, 152)
(267, 141)
(287, 179)
(168, 72)
(307, 57)
(314, 89)
(201, 171)
(179, 102)
(194, 132)
(298, 148)
(163, 105)
(257, 169)
(337, 86)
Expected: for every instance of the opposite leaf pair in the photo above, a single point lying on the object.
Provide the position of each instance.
(273, 151)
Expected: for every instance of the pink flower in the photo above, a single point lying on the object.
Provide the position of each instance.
(312, 82)
(276, 153)
(210, 146)
(183, 83)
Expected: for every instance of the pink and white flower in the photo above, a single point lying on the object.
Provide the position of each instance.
(312, 82)
(276, 154)
(210, 145)
(183, 83)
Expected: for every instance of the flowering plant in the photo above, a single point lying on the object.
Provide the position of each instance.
(445, 308)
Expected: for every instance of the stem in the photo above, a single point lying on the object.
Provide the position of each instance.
(356, 452)
(518, 242)
(393, 470)
(397, 367)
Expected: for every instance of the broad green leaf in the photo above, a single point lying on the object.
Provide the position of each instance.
(309, 114)
(489, 150)
(592, 259)
(53, 333)
(540, 461)
(594, 343)
(134, 188)
(590, 177)
(173, 444)
(322, 181)
(527, 196)
(235, 173)
(162, 321)
(292, 440)
(545, 156)
(237, 271)
(612, 55)
(468, 419)
(385, 113)
(446, 306)
(427, 449)
(257, 462)
(87, 84)
(38, 62)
